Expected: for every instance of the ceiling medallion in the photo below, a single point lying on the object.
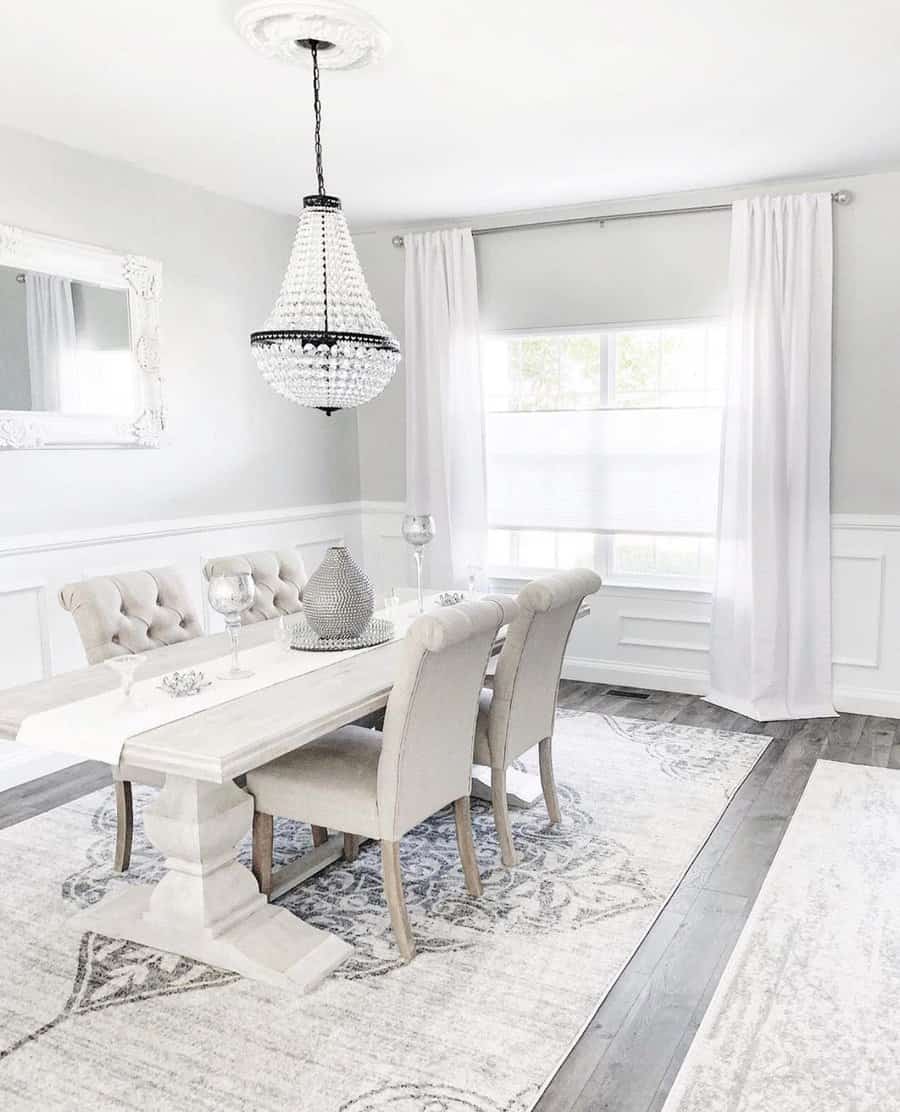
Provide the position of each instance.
(276, 28)
(324, 344)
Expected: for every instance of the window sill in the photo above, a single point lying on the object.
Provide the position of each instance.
(684, 591)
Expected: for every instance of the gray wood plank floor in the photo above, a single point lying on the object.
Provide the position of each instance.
(627, 1059)
(628, 1056)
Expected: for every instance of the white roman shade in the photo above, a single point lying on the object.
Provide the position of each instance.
(606, 470)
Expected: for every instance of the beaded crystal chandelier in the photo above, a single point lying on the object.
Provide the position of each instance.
(324, 344)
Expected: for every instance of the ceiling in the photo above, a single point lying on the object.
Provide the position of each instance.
(480, 106)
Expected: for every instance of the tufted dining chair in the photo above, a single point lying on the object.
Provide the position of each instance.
(279, 576)
(381, 784)
(519, 713)
(130, 613)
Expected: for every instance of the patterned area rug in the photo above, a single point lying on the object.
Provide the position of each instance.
(805, 1015)
(477, 1022)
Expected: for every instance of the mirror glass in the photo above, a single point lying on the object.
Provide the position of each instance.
(65, 346)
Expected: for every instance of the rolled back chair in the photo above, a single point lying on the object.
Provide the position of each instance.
(279, 576)
(519, 713)
(130, 613)
(374, 784)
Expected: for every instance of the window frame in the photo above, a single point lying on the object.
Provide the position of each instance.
(603, 539)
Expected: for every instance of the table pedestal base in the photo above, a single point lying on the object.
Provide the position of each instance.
(523, 789)
(208, 906)
(271, 945)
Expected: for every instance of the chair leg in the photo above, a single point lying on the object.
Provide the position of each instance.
(548, 784)
(263, 838)
(393, 892)
(463, 815)
(124, 825)
(319, 835)
(351, 847)
(501, 816)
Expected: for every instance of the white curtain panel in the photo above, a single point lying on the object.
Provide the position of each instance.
(771, 631)
(445, 469)
(50, 329)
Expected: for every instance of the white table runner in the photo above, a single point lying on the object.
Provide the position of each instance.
(97, 728)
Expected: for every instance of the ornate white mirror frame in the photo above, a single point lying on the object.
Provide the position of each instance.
(141, 278)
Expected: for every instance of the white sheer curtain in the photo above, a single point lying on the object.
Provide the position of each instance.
(771, 633)
(50, 327)
(445, 472)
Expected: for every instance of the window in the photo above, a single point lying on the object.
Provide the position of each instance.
(603, 450)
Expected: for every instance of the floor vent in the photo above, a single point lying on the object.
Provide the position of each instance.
(628, 694)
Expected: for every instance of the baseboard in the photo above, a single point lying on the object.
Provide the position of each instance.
(867, 700)
(587, 670)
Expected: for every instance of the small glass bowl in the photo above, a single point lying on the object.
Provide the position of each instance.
(182, 684)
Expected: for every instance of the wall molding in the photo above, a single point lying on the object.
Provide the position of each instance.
(881, 522)
(662, 619)
(29, 543)
(37, 587)
(874, 659)
(867, 700)
(657, 677)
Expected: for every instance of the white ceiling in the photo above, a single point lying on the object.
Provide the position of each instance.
(480, 106)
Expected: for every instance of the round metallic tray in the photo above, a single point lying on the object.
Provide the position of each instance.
(306, 639)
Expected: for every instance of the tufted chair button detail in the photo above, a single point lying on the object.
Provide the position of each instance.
(119, 612)
(279, 577)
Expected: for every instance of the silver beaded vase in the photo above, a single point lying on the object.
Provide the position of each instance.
(338, 600)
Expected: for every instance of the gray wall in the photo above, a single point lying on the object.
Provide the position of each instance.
(677, 266)
(15, 381)
(232, 444)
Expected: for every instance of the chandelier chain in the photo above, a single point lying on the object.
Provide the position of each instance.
(317, 105)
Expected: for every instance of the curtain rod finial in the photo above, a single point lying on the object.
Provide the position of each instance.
(842, 197)
(397, 241)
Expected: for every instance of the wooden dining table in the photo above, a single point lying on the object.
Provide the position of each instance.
(207, 905)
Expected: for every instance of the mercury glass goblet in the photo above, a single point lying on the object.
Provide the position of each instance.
(230, 596)
(418, 530)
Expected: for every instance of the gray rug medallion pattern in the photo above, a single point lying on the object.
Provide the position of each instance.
(477, 1022)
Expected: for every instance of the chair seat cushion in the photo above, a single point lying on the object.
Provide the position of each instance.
(329, 782)
(482, 748)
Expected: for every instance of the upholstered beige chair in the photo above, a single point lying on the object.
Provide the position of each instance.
(519, 713)
(382, 784)
(279, 577)
(130, 613)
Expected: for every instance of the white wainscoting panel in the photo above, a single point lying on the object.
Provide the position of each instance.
(660, 639)
(37, 637)
(24, 636)
(634, 636)
(388, 560)
(865, 552)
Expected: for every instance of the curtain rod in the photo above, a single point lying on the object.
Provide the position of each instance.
(841, 197)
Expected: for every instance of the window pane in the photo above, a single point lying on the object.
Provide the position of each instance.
(576, 550)
(537, 549)
(605, 444)
(684, 557)
(637, 368)
(499, 548)
(530, 373)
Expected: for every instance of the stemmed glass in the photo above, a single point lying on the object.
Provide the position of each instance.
(231, 595)
(418, 530)
(125, 668)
